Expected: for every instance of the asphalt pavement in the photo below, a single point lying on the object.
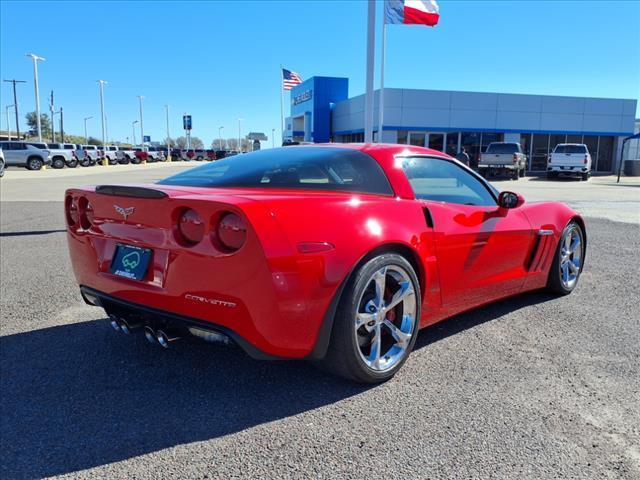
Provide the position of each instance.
(531, 387)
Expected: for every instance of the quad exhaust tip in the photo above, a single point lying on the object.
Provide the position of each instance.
(150, 335)
(115, 324)
(165, 338)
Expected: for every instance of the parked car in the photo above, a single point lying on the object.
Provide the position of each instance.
(211, 155)
(190, 154)
(220, 154)
(176, 154)
(126, 155)
(88, 155)
(23, 154)
(348, 286)
(503, 158)
(155, 154)
(1, 163)
(141, 155)
(63, 154)
(570, 159)
(199, 154)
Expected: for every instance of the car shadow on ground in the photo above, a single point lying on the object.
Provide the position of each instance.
(27, 234)
(81, 395)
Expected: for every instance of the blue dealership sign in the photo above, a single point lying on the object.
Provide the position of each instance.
(146, 139)
(186, 122)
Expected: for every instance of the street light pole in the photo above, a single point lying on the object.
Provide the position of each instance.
(133, 128)
(141, 98)
(15, 104)
(239, 136)
(220, 136)
(9, 126)
(86, 139)
(168, 137)
(104, 131)
(35, 59)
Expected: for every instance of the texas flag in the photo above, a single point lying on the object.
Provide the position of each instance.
(411, 12)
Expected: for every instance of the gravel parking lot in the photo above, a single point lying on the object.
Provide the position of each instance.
(531, 387)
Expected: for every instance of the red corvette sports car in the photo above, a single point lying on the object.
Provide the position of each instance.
(335, 253)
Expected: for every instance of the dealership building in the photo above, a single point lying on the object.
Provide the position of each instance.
(321, 111)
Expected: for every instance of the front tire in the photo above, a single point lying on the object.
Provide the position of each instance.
(568, 260)
(34, 163)
(377, 321)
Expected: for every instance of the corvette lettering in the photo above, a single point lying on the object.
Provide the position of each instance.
(210, 301)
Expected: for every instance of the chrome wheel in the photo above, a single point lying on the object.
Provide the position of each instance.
(385, 320)
(571, 257)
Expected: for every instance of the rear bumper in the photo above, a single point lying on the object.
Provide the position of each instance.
(567, 169)
(514, 166)
(160, 318)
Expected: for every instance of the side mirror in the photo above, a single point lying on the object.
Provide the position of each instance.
(510, 200)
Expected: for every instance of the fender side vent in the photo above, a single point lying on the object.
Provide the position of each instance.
(427, 217)
(124, 191)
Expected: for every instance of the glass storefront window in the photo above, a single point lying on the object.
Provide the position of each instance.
(525, 143)
(574, 138)
(402, 137)
(592, 145)
(417, 139)
(471, 142)
(540, 152)
(556, 140)
(436, 141)
(452, 144)
(605, 154)
(488, 138)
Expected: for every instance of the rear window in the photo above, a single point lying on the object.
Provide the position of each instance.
(316, 168)
(54, 146)
(69, 146)
(503, 148)
(571, 149)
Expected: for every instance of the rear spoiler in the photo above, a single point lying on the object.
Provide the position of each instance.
(124, 191)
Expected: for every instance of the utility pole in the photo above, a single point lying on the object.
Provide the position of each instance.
(35, 59)
(141, 98)
(53, 128)
(9, 126)
(239, 136)
(15, 103)
(133, 128)
(166, 107)
(86, 139)
(104, 131)
(61, 125)
(220, 136)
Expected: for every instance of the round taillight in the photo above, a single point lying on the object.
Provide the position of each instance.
(232, 231)
(86, 214)
(191, 226)
(72, 210)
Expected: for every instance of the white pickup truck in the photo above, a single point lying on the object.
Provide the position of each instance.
(503, 158)
(569, 159)
(126, 155)
(87, 155)
(63, 154)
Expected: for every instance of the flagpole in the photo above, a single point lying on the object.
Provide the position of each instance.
(381, 98)
(281, 106)
(368, 100)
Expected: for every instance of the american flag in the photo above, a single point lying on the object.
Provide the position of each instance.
(290, 79)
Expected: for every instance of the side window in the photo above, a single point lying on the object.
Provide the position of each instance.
(442, 180)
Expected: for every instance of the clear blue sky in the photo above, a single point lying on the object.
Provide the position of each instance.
(220, 60)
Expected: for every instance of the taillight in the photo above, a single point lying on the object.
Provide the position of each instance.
(85, 213)
(71, 209)
(231, 231)
(585, 159)
(191, 227)
(515, 158)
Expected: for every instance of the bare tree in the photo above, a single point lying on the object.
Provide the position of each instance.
(218, 144)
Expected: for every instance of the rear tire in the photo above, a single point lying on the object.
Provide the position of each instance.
(57, 162)
(34, 163)
(372, 338)
(585, 177)
(568, 260)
